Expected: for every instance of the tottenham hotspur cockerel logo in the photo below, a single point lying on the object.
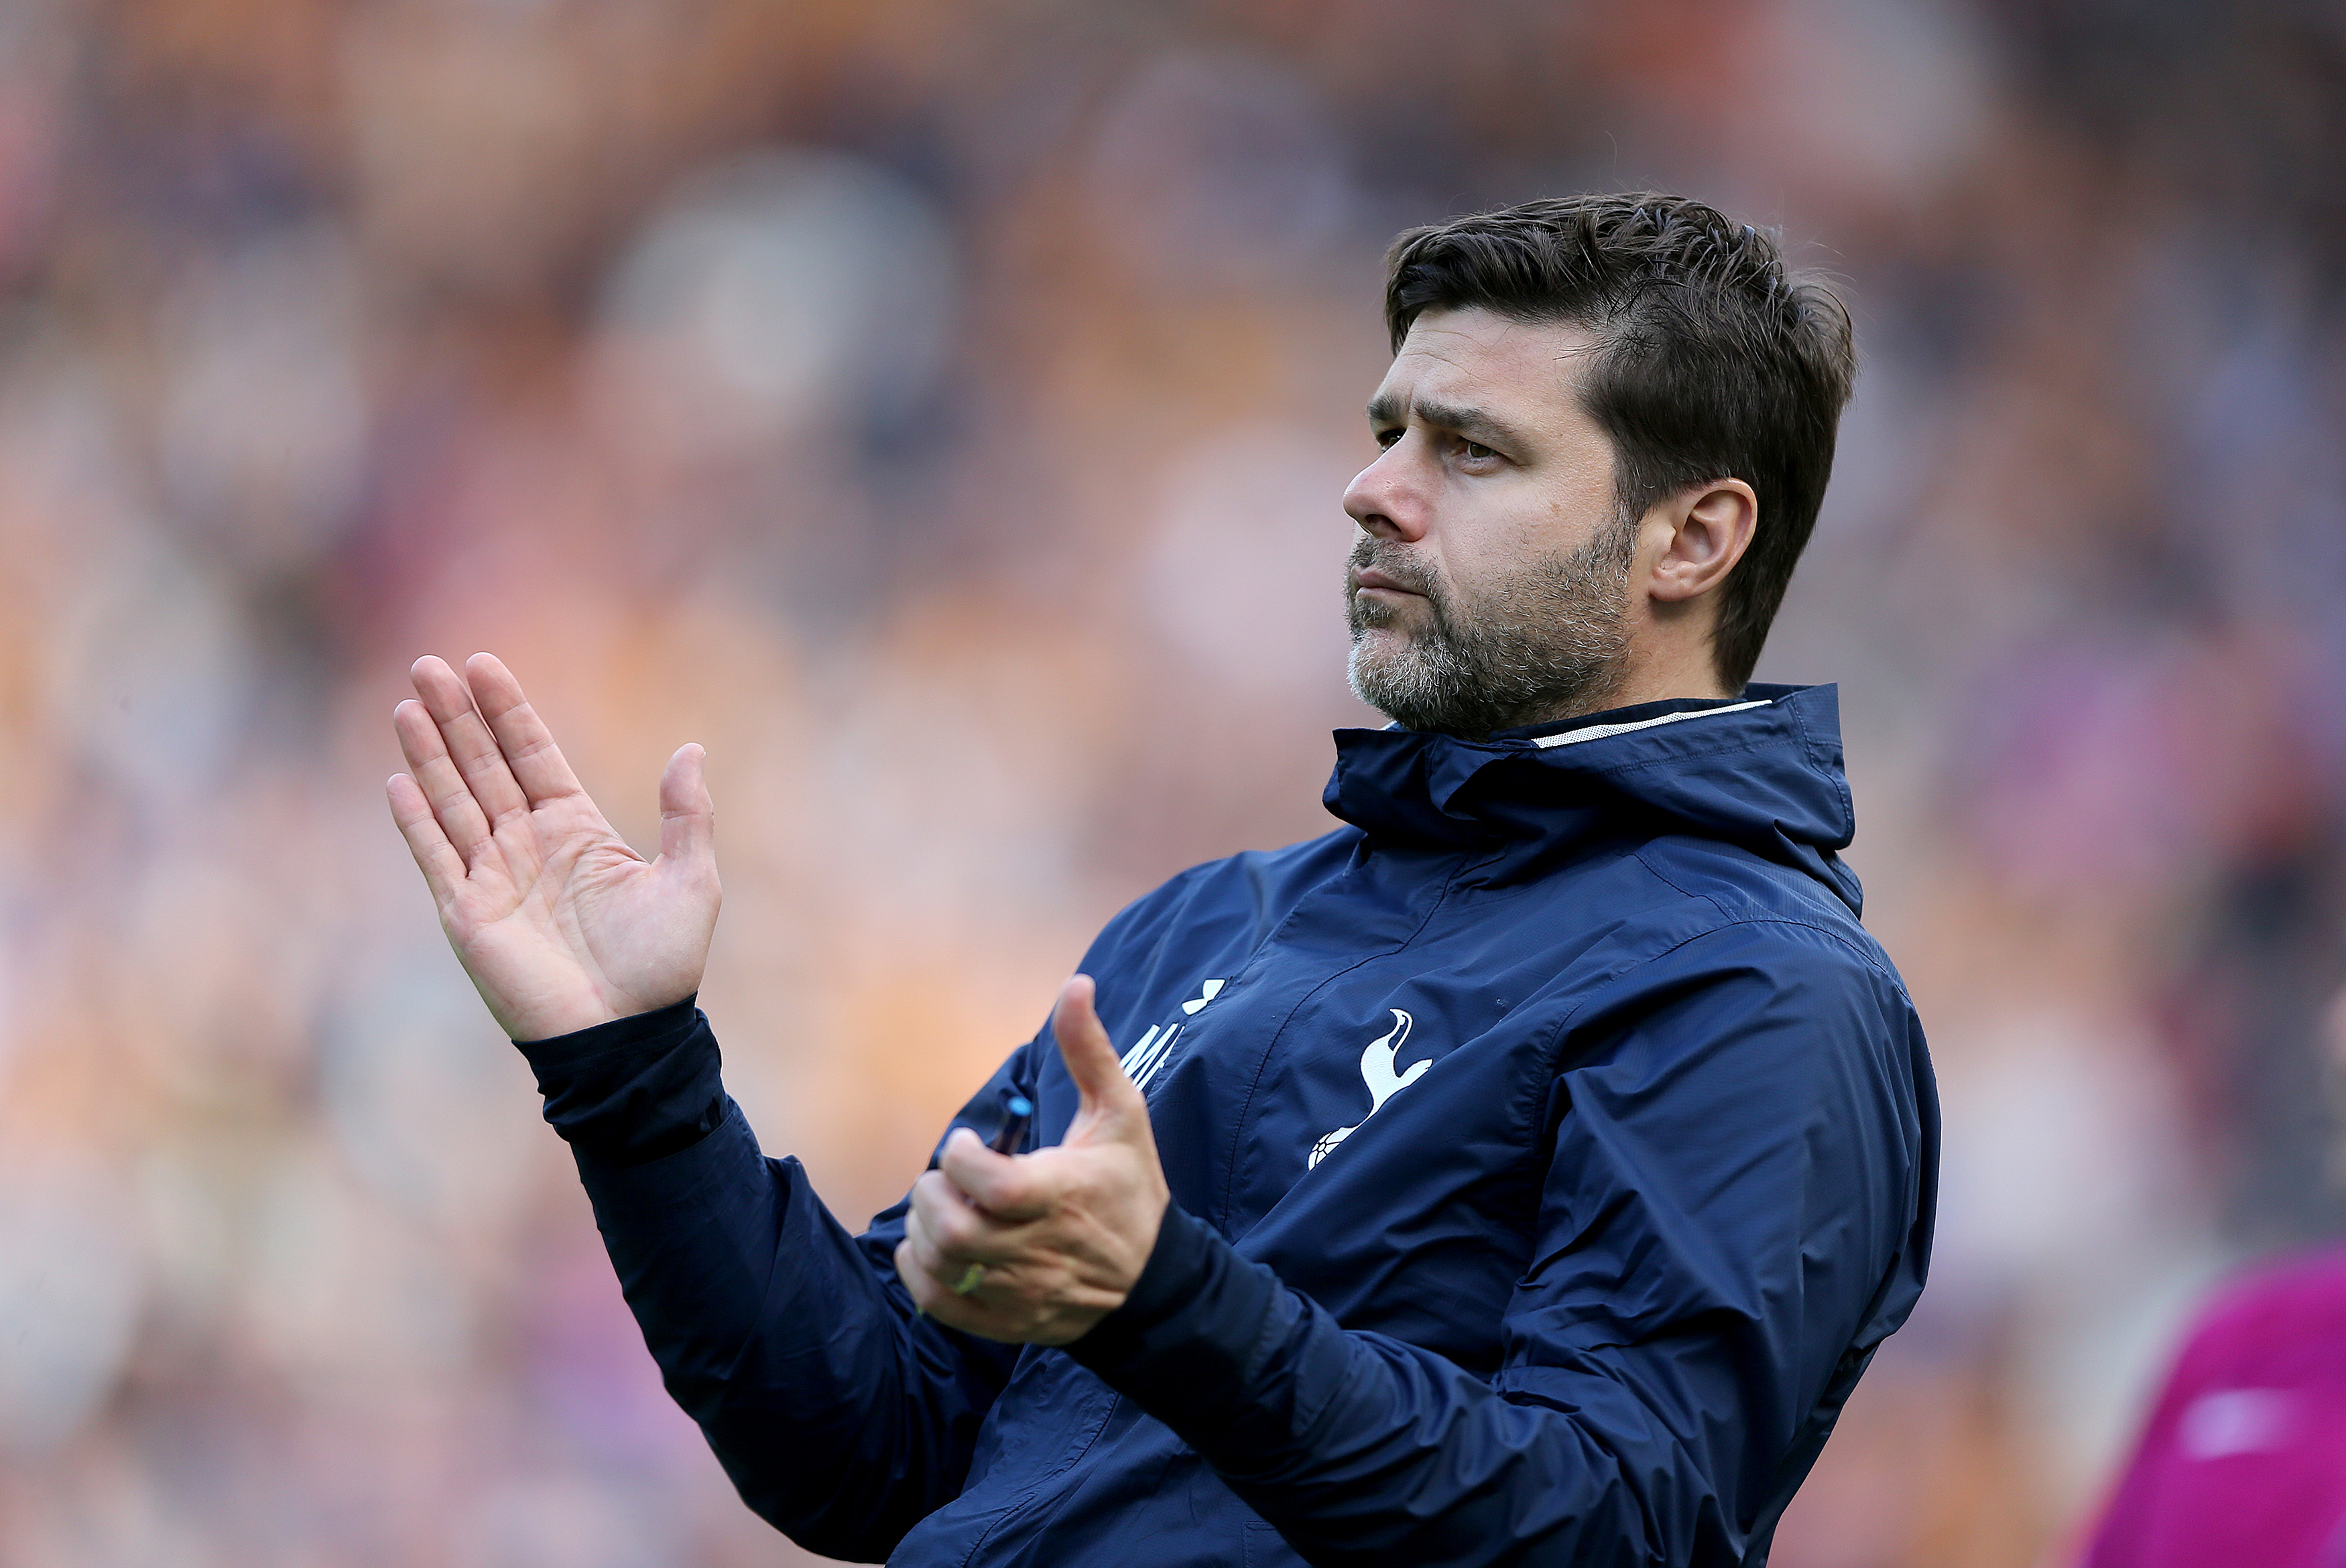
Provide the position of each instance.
(1377, 1071)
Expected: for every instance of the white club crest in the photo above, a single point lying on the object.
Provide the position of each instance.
(1377, 1071)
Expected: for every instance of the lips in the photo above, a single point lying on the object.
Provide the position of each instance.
(1369, 578)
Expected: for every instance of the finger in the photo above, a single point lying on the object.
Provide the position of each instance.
(442, 866)
(1112, 1103)
(1002, 1187)
(528, 745)
(930, 1296)
(467, 739)
(687, 815)
(909, 1270)
(953, 1226)
(459, 815)
(926, 1256)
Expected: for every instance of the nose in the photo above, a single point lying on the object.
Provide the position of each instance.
(1384, 498)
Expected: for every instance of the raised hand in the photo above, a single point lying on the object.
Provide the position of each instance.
(1035, 1249)
(560, 924)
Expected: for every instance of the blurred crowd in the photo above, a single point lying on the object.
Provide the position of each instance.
(940, 410)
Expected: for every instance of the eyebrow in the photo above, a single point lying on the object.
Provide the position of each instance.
(1473, 423)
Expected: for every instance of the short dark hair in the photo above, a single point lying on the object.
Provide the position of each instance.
(1715, 361)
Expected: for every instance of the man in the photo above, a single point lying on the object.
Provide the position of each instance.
(1521, 1173)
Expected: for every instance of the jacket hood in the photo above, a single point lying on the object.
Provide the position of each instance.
(1763, 772)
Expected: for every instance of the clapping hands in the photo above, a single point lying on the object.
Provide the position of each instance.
(560, 924)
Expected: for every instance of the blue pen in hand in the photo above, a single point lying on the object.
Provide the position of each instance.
(1017, 1114)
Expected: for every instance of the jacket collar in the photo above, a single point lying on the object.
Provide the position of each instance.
(1764, 771)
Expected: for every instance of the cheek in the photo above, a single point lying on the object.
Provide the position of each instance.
(1495, 540)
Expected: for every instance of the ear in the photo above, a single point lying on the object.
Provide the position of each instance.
(1708, 528)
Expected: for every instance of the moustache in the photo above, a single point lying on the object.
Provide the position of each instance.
(1395, 561)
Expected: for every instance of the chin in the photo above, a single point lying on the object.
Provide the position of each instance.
(1378, 664)
(1381, 626)
(1376, 648)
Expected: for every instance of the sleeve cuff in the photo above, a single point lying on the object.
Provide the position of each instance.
(1189, 1340)
(635, 1089)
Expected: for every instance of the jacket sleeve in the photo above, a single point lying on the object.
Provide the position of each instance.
(1736, 1209)
(841, 1416)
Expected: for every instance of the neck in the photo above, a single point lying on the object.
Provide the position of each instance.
(1670, 655)
(1660, 686)
(1644, 682)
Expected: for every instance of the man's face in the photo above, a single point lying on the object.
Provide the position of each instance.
(1490, 586)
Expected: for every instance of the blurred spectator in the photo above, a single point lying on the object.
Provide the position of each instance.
(2244, 1457)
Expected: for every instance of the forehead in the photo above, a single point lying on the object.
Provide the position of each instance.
(1532, 369)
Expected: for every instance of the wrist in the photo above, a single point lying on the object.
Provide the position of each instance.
(555, 1018)
(531, 1026)
(1148, 1237)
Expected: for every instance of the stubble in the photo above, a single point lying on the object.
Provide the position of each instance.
(1551, 641)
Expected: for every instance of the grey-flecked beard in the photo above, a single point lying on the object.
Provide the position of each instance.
(1550, 642)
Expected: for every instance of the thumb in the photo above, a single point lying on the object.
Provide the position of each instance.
(1112, 1103)
(688, 815)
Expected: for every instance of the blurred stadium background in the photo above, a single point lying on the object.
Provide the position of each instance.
(940, 410)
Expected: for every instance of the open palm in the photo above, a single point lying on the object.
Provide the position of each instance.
(560, 924)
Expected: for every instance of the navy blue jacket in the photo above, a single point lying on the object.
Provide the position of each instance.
(1550, 1148)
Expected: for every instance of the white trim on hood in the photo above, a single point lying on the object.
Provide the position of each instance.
(1600, 731)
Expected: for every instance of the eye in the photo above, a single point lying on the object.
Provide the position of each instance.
(1477, 452)
(1387, 437)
